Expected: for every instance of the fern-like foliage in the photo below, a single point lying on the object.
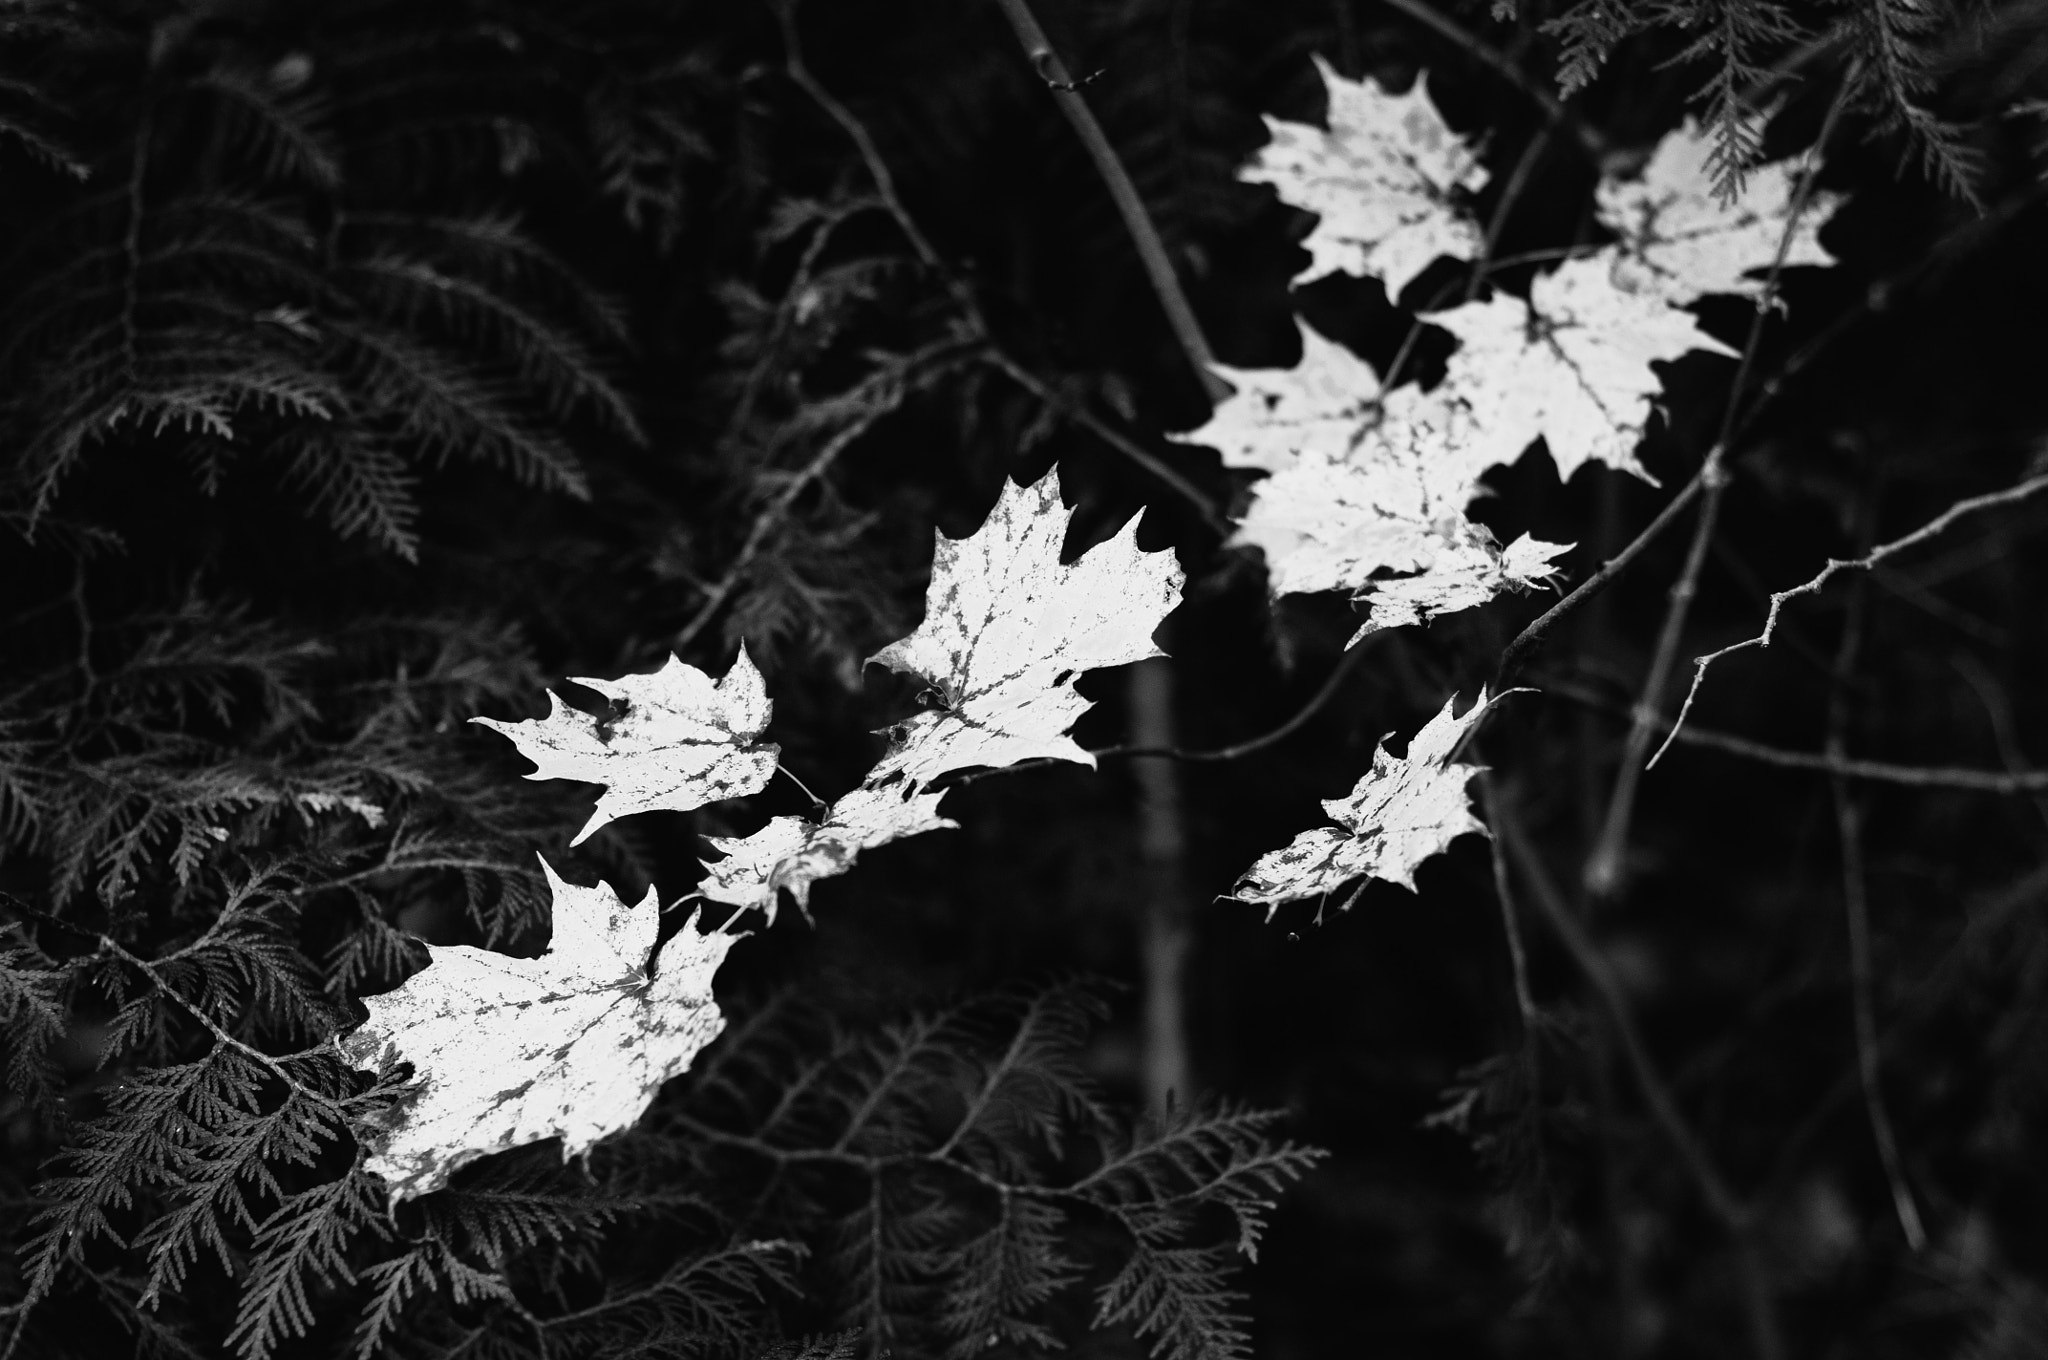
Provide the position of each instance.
(1889, 51)
(972, 1178)
(238, 282)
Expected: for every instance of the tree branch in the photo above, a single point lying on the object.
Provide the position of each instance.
(1933, 528)
(1144, 235)
(1603, 871)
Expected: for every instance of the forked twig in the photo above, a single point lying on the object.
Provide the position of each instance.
(1932, 529)
(963, 296)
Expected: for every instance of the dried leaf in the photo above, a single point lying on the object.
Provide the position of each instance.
(674, 740)
(1320, 408)
(1681, 241)
(794, 852)
(1408, 809)
(573, 1044)
(1008, 628)
(1385, 179)
(1572, 365)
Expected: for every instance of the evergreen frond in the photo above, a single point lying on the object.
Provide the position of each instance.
(1175, 1299)
(305, 1240)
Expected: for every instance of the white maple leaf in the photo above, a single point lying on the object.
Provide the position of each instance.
(1387, 522)
(1274, 417)
(570, 1045)
(794, 852)
(680, 743)
(1680, 241)
(1007, 628)
(1406, 810)
(1385, 179)
(1465, 575)
(1572, 365)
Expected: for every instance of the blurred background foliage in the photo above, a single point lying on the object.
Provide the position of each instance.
(373, 364)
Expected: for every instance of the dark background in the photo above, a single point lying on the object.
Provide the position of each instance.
(547, 484)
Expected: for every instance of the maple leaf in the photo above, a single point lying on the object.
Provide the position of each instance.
(1385, 179)
(1572, 364)
(1680, 240)
(572, 1044)
(794, 852)
(1406, 810)
(1008, 627)
(679, 743)
(1386, 521)
(1320, 408)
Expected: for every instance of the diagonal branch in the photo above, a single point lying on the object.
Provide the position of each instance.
(1932, 529)
(1603, 870)
(1144, 235)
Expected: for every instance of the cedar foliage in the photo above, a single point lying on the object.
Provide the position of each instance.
(368, 365)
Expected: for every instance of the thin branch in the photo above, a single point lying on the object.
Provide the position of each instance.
(2010, 783)
(1144, 235)
(887, 389)
(1116, 439)
(856, 131)
(1856, 910)
(1584, 133)
(1531, 639)
(1732, 1214)
(963, 296)
(1932, 529)
(1603, 871)
(1511, 927)
(1983, 922)
(1713, 1189)
(1510, 194)
(1331, 684)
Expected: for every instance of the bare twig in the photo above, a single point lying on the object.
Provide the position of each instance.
(1532, 638)
(1856, 911)
(2010, 782)
(1144, 235)
(963, 296)
(1116, 439)
(1510, 194)
(1734, 1217)
(1518, 954)
(857, 132)
(1603, 871)
(887, 393)
(1331, 684)
(1932, 529)
(1984, 921)
(1998, 710)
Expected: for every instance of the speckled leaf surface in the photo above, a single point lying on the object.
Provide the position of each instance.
(791, 853)
(675, 740)
(1380, 512)
(1572, 364)
(1275, 417)
(1680, 241)
(1385, 180)
(570, 1045)
(1406, 810)
(1007, 629)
